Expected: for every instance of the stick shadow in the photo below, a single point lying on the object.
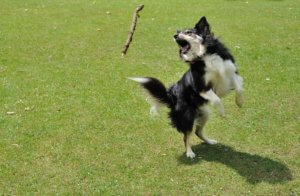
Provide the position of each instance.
(254, 168)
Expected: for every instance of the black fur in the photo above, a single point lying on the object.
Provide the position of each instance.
(157, 90)
(182, 98)
(214, 46)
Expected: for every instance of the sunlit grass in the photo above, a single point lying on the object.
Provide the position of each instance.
(71, 123)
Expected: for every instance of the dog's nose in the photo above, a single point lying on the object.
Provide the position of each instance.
(177, 33)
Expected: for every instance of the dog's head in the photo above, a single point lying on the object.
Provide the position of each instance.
(193, 42)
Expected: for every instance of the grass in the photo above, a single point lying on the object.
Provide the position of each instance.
(79, 127)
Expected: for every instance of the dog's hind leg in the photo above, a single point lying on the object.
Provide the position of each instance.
(189, 151)
(238, 85)
(155, 106)
(200, 122)
(154, 110)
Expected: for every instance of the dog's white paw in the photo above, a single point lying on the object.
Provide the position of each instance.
(211, 142)
(190, 154)
(154, 111)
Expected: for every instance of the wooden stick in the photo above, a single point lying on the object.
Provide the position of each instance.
(132, 29)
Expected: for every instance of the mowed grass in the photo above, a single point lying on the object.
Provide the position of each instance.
(71, 123)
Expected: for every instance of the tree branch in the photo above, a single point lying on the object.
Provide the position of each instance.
(132, 29)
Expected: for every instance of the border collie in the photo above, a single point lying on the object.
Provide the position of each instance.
(211, 75)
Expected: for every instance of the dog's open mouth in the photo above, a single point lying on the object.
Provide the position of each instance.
(184, 45)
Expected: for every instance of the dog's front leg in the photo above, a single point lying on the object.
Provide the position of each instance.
(238, 85)
(215, 100)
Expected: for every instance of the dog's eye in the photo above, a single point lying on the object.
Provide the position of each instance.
(188, 32)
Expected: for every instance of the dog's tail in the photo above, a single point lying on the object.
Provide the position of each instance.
(155, 88)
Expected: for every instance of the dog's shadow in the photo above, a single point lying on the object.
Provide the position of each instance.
(254, 168)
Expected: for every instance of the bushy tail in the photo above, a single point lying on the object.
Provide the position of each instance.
(155, 88)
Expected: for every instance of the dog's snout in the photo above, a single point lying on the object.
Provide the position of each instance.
(177, 33)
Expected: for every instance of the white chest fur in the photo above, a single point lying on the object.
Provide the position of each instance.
(220, 73)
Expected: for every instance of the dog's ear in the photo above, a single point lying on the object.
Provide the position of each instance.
(202, 26)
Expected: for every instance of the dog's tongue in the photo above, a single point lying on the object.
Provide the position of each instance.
(185, 48)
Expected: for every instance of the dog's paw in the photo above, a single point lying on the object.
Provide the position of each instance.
(190, 154)
(211, 142)
(154, 111)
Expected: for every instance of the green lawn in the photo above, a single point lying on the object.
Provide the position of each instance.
(71, 123)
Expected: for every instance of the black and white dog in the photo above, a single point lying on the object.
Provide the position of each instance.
(212, 75)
